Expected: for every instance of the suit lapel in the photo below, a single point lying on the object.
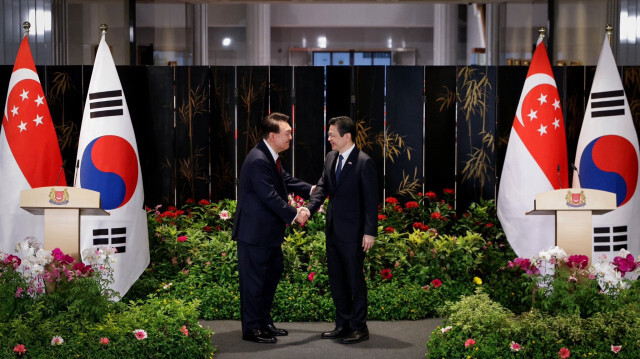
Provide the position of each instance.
(347, 166)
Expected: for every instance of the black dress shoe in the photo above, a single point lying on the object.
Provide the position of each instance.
(273, 331)
(356, 336)
(338, 332)
(259, 336)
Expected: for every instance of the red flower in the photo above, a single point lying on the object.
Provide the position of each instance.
(190, 201)
(311, 275)
(448, 191)
(488, 225)
(386, 274)
(411, 204)
(430, 195)
(182, 239)
(207, 229)
(159, 220)
(104, 341)
(436, 215)
(391, 200)
(184, 330)
(470, 342)
(436, 283)
(381, 217)
(171, 208)
(389, 230)
(417, 225)
(20, 349)
(203, 202)
(398, 208)
(564, 353)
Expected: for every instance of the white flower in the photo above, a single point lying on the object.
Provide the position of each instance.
(446, 329)
(224, 215)
(57, 340)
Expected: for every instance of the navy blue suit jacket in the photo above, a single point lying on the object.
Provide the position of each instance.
(353, 200)
(262, 211)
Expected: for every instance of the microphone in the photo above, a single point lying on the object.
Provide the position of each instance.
(573, 167)
(75, 174)
(60, 171)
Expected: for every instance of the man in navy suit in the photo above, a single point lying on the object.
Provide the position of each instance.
(261, 217)
(349, 179)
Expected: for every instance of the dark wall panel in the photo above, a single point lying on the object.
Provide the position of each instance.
(63, 88)
(192, 132)
(369, 84)
(280, 99)
(309, 134)
(252, 106)
(476, 134)
(404, 128)
(440, 128)
(339, 91)
(223, 135)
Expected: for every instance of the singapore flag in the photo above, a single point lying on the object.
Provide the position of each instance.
(536, 160)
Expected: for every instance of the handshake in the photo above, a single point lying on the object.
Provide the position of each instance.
(303, 216)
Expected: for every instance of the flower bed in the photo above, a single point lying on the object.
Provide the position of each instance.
(52, 307)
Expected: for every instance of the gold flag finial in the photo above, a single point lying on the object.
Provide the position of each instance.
(103, 28)
(609, 29)
(26, 26)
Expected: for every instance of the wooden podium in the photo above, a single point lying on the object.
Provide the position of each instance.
(573, 208)
(62, 207)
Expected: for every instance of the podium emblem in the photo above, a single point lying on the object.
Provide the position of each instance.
(576, 199)
(59, 198)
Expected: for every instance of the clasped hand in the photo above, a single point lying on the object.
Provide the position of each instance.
(303, 216)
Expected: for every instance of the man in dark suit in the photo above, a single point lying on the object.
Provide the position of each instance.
(261, 217)
(349, 179)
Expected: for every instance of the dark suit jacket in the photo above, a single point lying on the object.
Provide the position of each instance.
(353, 201)
(262, 211)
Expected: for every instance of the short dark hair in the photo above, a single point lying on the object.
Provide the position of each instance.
(271, 123)
(344, 124)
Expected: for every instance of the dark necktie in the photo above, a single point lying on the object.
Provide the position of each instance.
(339, 169)
(279, 167)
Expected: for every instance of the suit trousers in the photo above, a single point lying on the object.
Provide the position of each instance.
(260, 269)
(345, 262)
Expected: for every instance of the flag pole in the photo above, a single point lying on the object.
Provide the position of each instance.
(609, 29)
(541, 33)
(26, 26)
(103, 30)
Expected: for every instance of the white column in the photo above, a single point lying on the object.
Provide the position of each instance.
(445, 34)
(258, 34)
(201, 35)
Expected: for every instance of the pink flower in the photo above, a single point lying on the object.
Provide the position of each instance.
(386, 274)
(311, 275)
(436, 283)
(140, 334)
(224, 215)
(57, 340)
(616, 348)
(104, 341)
(18, 291)
(446, 329)
(578, 261)
(182, 239)
(184, 330)
(470, 342)
(564, 353)
(20, 349)
(624, 265)
(515, 347)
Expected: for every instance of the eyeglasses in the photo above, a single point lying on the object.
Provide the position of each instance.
(333, 135)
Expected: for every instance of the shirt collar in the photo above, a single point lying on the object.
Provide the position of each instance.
(346, 153)
(273, 153)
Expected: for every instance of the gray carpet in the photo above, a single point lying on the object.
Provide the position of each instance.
(401, 339)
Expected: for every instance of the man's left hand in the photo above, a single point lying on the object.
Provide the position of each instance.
(367, 242)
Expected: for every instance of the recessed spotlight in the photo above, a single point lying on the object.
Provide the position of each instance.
(226, 41)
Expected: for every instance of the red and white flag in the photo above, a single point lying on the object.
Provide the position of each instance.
(109, 164)
(607, 158)
(29, 151)
(536, 160)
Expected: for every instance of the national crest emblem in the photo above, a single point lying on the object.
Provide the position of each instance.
(576, 199)
(59, 198)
